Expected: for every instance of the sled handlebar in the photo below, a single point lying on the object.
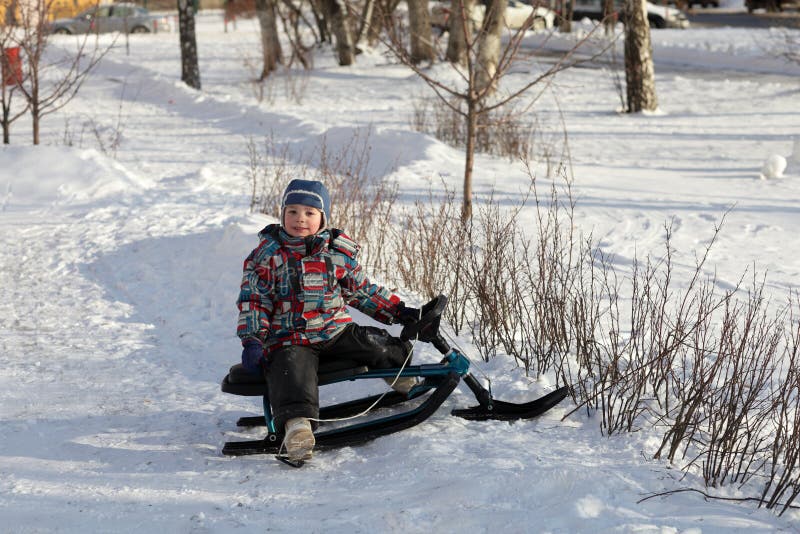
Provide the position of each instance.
(427, 327)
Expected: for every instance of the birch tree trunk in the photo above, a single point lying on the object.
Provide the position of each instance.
(489, 45)
(366, 22)
(460, 27)
(190, 71)
(469, 162)
(640, 78)
(336, 15)
(419, 19)
(270, 45)
(608, 21)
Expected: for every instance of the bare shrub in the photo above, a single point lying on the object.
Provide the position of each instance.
(286, 82)
(495, 275)
(514, 294)
(734, 438)
(431, 244)
(503, 132)
(782, 484)
(108, 137)
(269, 171)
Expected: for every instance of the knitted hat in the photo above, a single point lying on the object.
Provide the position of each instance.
(308, 193)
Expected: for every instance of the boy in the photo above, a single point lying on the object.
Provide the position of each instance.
(292, 311)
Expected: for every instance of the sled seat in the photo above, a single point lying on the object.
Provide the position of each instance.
(240, 381)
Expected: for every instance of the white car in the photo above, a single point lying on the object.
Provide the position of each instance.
(516, 15)
(658, 16)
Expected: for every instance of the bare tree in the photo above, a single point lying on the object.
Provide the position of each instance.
(381, 19)
(640, 75)
(419, 21)
(50, 82)
(270, 45)
(609, 16)
(11, 78)
(489, 44)
(291, 18)
(466, 97)
(335, 13)
(565, 10)
(8, 13)
(367, 11)
(190, 71)
(461, 30)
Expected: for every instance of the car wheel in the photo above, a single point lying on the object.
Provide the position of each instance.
(539, 24)
(62, 31)
(657, 22)
(140, 29)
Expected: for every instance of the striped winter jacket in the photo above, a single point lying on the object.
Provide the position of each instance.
(294, 289)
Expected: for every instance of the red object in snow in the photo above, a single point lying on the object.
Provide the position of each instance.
(12, 66)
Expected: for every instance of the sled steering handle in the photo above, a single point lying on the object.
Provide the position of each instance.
(440, 344)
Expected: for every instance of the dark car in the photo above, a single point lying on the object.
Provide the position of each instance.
(657, 16)
(122, 17)
(702, 3)
(769, 5)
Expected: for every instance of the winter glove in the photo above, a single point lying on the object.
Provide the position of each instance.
(251, 355)
(405, 315)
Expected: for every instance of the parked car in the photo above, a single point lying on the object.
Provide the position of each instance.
(702, 3)
(657, 16)
(516, 15)
(123, 17)
(769, 5)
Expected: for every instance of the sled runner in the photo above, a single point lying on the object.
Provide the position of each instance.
(438, 382)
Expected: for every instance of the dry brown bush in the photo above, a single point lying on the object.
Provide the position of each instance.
(503, 132)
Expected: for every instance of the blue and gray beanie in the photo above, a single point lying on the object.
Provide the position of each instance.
(308, 193)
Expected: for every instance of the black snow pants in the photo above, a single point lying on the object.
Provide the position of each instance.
(291, 372)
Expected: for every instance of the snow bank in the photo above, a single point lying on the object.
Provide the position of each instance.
(43, 175)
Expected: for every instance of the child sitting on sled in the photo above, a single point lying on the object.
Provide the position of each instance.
(293, 313)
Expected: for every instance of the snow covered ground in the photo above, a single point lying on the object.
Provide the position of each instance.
(118, 278)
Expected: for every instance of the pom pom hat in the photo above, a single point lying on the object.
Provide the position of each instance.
(308, 193)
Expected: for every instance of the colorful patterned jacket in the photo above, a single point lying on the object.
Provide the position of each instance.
(294, 290)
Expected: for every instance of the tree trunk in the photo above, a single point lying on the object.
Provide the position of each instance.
(318, 9)
(419, 19)
(565, 20)
(270, 45)
(379, 13)
(608, 21)
(6, 124)
(336, 15)
(190, 71)
(469, 162)
(489, 45)
(366, 22)
(5, 97)
(461, 29)
(640, 76)
(35, 119)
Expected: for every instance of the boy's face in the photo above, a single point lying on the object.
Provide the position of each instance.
(301, 221)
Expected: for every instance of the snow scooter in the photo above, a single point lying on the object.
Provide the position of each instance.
(439, 381)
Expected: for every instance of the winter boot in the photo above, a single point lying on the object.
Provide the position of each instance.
(299, 440)
(402, 384)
